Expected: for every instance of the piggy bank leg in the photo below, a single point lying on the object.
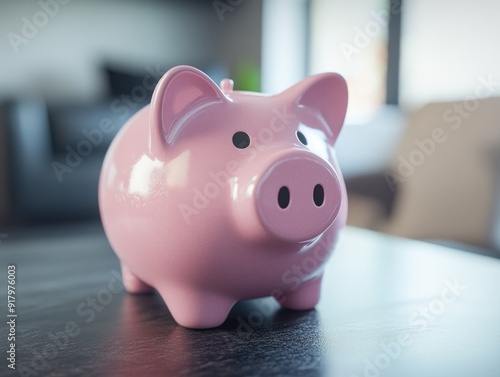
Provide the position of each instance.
(132, 283)
(195, 309)
(305, 297)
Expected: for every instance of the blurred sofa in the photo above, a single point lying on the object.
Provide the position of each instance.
(55, 154)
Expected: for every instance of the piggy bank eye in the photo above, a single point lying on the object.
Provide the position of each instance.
(301, 138)
(241, 140)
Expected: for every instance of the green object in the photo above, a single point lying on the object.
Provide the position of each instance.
(247, 76)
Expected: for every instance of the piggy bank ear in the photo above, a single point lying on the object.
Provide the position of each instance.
(181, 92)
(325, 94)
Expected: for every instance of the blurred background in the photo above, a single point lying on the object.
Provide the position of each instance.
(420, 150)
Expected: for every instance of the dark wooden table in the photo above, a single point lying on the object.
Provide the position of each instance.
(390, 307)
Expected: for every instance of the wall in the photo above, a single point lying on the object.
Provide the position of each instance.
(62, 59)
(449, 48)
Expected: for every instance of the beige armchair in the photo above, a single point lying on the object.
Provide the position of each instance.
(446, 172)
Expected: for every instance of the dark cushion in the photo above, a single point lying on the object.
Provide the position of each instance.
(72, 124)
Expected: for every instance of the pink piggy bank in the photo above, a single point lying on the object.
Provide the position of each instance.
(210, 195)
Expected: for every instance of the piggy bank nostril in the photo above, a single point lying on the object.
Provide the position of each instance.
(318, 195)
(284, 197)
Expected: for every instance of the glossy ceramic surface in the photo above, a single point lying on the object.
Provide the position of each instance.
(210, 195)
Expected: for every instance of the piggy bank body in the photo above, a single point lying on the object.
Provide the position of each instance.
(210, 195)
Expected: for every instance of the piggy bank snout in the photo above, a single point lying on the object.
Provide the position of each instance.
(299, 197)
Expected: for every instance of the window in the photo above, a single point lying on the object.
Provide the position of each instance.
(448, 47)
(351, 38)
